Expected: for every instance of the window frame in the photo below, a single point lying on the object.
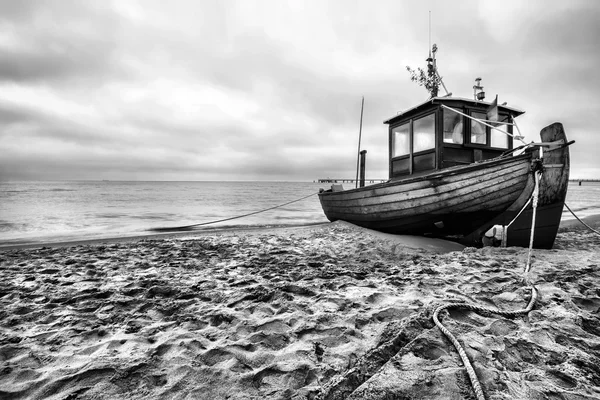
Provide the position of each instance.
(411, 155)
(509, 128)
(464, 132)
(470, 132)
(412, 133)
(393, 140)
(506, 117)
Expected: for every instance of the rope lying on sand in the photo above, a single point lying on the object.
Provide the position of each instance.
(463, 356)
(186, 227)
(534, 295)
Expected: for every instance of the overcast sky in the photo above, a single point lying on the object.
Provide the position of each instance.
(271, 90)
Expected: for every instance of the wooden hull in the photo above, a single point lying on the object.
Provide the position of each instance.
(462, 203)
(454, 201)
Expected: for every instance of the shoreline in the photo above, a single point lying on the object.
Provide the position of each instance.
(565, 225)
(154, 235)
(414, 242)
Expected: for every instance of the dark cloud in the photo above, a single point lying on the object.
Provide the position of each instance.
(267, 90)
(20, 10)
(11, 115)
(57, 40)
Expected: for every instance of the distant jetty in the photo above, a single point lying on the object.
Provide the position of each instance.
(350, 180)
(584, 180)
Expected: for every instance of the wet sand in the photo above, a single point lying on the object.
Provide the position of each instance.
(330, 312)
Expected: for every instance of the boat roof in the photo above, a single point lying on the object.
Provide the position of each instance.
(447, 99)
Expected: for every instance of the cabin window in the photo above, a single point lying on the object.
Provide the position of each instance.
(453, 127)
(478, 133)
(401, 140)
(500, 139)
(424, 133)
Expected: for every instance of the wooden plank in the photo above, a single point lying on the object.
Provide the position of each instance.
(411, 183)
(467, 184)
(459, 201)
(449, 200)
(458, 174)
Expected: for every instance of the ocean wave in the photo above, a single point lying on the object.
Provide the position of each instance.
(111, 215)
(216, 227)
(6, 226)
(155, 217)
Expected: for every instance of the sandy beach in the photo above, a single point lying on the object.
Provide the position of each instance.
(320, 312)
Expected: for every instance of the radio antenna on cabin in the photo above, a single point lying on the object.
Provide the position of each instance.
(433, 61)
(430, 78)
(429, 44)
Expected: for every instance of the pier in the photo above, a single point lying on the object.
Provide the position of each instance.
(352, 180)
(349, 180)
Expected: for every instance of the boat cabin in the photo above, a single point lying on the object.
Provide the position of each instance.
(439, 134)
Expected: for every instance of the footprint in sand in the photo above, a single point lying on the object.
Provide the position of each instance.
(275, 341)
(591, 325)
(561, 379)
(427, 348)
(501, 327)
(291, 376)
(589, 304)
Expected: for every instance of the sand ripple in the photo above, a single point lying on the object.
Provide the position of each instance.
(330, 312)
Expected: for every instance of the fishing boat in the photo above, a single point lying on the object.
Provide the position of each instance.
(455, 173)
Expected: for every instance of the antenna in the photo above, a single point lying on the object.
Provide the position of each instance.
(429, 34)
(430, 78)
(434, 50)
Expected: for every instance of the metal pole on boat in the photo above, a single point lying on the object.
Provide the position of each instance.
(363, 155)
(362, 106)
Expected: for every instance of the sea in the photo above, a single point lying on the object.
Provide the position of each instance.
(64, 211)
(59, 211)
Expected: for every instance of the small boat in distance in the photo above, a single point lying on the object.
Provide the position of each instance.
(454, 173)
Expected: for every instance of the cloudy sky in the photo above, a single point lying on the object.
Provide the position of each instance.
(271, 89)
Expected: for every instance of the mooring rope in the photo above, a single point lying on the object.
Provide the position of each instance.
(586, 225)
(505, 227)
(231, 218)
(534, 295)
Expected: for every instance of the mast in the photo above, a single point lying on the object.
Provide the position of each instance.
(359, 135)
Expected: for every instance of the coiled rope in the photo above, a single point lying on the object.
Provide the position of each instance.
(176, 228)
(534, 295)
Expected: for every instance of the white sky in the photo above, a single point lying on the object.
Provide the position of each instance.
(271, 90)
